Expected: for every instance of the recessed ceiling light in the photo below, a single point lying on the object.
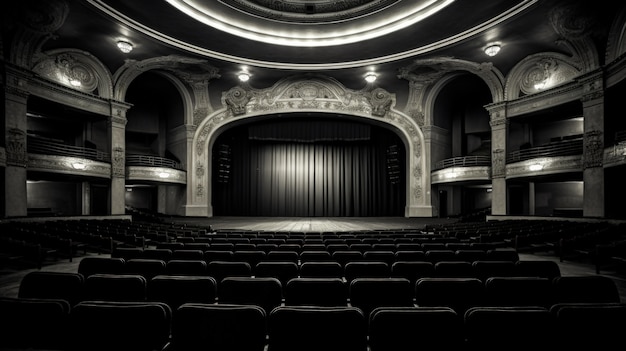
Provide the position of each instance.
(493, 49)
(124, 46)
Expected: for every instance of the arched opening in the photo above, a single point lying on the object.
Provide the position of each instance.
(308, 164)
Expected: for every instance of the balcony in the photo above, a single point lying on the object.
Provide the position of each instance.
(555, 149)
(463, 161)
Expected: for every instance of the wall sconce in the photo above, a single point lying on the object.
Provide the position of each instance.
(535, 167)
(492, 49)
(371, 77)
(164, 175)
(243, 76)
(79, 165)
(124, 46)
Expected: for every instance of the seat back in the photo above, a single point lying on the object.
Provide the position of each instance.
(315, 256)
(366, 269)
(591, 326)
(34, 323)
(198, 326)
(412, 270)
(321, 269)
(345, 256)
(281, 270)
(217, 255)
(157, 254)
(369, 293)
(487, 269)
(308, 328)
(537, 268)
(126, 326)
(115, 287)
(585, 288)
(425, 328)
(67, 286)
(264, 292)
(453, 269)
(174, 290)
(252, 257)
(502, 254)
(316, 292)
(519, 291)
(410, 255)
(456, 293)
(222, 269)
(509, 328)
(94, 265)
(186, 267)
(386, 256)
(147, 267)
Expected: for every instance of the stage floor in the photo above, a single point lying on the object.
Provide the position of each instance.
(313, 224)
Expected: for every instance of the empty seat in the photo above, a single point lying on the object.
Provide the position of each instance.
(127, 253)
(175, 290)
(315, 256)
(126, 326)
(252, 257)
(187, 254)
(67, 286)
(456, 293)
(94, 265)
(222, 269)
(519, 291)
(388, 256)
(264, 292)
(321, 269)
(502, 254)
(410, 255)
(281, 270)
(419, 328)
(308, 328)
(487, 269)
(589, 326)
(115, 287)
(218, 327)
(509, 328)
(539, 268)
(316, 292)
(332, 248)
(412, 270)
(470, 255)
(363, 269)
(369, 293)
(34, 324)
(345, 256)
(186, 267)
(217, 255)
(585, 288)
(157, 254)
(457, 269)
(291, 256)
(436, 255)
(146, 267)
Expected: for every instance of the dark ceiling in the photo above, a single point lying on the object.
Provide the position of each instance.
(460, 30)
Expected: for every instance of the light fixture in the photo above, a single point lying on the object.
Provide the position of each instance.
(541, 85)
(243, 76)
(74, 82)
(79, 165)
(493, 49)
(535, 167)
(164, 175)
(124, 46)
(370, 77)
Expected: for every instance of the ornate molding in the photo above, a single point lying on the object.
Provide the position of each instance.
(537, 73)
(498, 163)
(68, 165)
(3, 157)
(118, 163)
(459, 174)
(16, 148)
(156, 174)
(549, 165)
(593, 149)
(69, 69)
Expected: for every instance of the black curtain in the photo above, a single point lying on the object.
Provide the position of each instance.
(306, 168)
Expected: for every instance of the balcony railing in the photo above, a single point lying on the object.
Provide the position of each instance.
(152, 161)
(464, 161)
(42, 146)
(562, 148)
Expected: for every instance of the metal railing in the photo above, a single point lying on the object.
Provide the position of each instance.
(463, 161)
(46, 147)
(151, 161)
(562, 148)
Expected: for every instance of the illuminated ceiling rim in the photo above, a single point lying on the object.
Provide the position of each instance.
(203, 51)
(394, 17)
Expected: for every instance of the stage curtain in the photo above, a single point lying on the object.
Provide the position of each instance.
(309, 177)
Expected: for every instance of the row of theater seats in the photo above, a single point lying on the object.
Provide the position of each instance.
(458, 293)
(341, 256)
(48, 324)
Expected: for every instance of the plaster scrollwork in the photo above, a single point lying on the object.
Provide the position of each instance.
(417, 115)
(199, 114)
(236, 100)
(381, 101)
(118, 163)
(539, 72)
(498, 168)
(16, 154)
(593, 149)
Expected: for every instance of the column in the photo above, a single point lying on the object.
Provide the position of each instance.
(14, 128)
(499, 130)
(117, 143)
(593, 145)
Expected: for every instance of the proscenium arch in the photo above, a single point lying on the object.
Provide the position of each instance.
(314, 94)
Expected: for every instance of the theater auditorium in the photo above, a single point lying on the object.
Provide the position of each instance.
(269, 175)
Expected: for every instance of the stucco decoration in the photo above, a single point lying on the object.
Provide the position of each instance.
(118, 160)
(16, 148)
(76, 69)
(312, 93)
(539, 72)
(593, 149)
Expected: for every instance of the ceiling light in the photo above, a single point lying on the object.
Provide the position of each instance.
(371, 77)
(79, 165)
(492, 49)
(124, 46)
(535, 167)
(243, 76)
(164, 175)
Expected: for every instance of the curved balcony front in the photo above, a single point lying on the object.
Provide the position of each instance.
(154, 169)
(55, 157)
(462, 169)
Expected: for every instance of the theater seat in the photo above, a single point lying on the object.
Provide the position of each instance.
(308, 328)
(264, 292)
(174, 290)
(67, 286)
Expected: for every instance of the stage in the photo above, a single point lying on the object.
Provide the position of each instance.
(312, 224)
